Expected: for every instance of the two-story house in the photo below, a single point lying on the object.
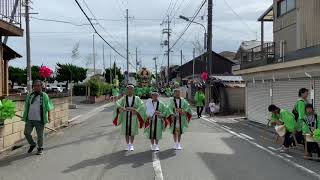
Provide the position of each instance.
(10, 25)
(276, 72)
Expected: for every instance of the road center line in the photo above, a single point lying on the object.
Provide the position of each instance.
(157, 166)
(247, 136)
(267, 150)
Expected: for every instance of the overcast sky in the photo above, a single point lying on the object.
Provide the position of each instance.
(52, 42)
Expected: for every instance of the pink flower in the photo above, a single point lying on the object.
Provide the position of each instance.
(204, 76)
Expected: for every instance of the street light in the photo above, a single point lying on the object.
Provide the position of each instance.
(205, 29)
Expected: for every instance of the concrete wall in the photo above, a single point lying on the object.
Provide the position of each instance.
(13, 130)
(232, 100)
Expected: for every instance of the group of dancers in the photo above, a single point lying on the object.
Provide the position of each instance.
(155, 116)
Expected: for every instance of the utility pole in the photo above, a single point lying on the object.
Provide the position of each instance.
(155, 63)
(181, 57)
(127, 12)
(193, 63)
(110, 71)
(168, 78)
(209, 47)
(104, 63)
(136, 60)
(29, 74)
(94, 56)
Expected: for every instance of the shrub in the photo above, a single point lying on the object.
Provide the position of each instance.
(79, 90)
(98, 88)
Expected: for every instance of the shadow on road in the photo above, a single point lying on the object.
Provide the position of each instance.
(121, 158)
(7, 161)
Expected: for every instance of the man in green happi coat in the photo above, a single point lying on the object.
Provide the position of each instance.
(179, 116)
(300, 111)
(129, 113)
(199, 99)
(280, 117)
(36, 115)
(155, 122)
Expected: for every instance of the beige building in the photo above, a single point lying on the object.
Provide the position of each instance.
(274, 72)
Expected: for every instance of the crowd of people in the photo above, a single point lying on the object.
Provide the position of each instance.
(154, 116)
(299, 126)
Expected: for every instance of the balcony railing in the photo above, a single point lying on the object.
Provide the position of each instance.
(10, 11)
(258, 56)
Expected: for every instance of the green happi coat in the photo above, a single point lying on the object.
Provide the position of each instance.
(155, 127)
(300, 107)
(287, 118)
(182, 119)
(199, 98)
(115, 92)
(128, 121)
(305, 127)
(46, 105)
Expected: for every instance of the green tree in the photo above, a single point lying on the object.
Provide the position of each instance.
(17, 75)
(70, 73)
(114, 70)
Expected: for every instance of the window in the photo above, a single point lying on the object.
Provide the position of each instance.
(285, 6)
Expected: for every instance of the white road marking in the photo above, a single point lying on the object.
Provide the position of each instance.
(226, 127)
(75, 118)
(272, 148)
(269, 151)
(210, 120)
(247, 136)
(288, 156)
(157, 166)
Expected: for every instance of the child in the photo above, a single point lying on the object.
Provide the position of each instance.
(212, 107)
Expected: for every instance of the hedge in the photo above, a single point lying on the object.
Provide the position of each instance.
(79, 90)
(98, 88)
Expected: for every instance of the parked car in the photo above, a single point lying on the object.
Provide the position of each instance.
(56, 89)
(21, 89)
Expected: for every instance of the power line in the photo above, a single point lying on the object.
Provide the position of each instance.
(187, 27)
(60, 21)
(95, 30)
(95, 18)
(241, 19)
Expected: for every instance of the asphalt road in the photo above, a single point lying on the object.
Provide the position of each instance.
(94, 150)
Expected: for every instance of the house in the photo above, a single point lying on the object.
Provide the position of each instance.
(220, 66)
(274, 72)
(10, 25)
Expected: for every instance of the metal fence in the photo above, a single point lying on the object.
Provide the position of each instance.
(10, 11)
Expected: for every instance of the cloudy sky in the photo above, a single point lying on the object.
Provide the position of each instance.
(51, 42)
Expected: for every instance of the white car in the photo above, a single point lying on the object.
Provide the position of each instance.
(56, 89)
(21, 89)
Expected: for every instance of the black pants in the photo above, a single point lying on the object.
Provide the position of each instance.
(299, 137)
(287, 140)
(199, 110)
(313, 147)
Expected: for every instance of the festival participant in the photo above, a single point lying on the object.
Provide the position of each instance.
(155, 120)
(310, 124)
(285, 119)
(129, 113)
(179, 116)
(36, 115)
(299, 112)
(115, 93)
(199, 98)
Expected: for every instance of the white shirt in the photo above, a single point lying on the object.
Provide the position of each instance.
(130, 100)
(212, 106)
(151, 107)
(178, 103)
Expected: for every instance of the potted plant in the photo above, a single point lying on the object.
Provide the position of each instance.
(7, 110)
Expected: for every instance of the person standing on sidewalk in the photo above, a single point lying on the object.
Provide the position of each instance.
(310, 124)
(129, 114)
(179, 116)
(299, 112)
(36, 115)
(282, 117)
(155, 120)
(199, 99)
